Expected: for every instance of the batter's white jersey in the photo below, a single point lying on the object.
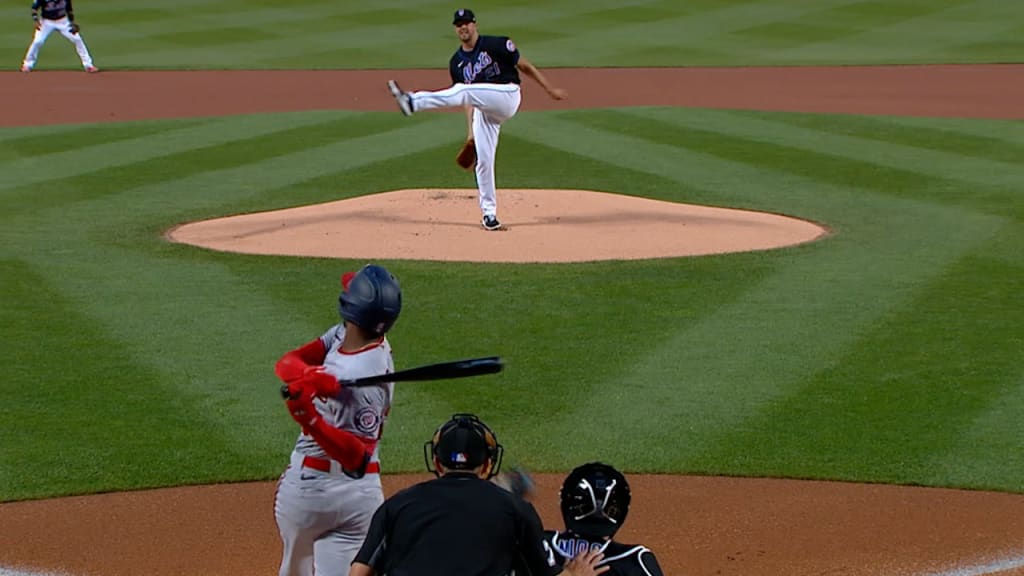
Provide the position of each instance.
(322, 512)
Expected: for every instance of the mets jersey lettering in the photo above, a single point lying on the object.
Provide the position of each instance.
(493, 61)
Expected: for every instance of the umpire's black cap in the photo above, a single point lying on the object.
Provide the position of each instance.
(463, 15)
(464, 443)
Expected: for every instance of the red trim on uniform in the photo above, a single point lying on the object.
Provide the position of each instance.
(369, 346)
(341, 445)
(324, 465)
(293, 364)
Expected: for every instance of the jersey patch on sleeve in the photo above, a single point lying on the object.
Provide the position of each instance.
(510, 45)
(367, 420)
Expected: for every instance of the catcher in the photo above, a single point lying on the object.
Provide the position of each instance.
(594, 501)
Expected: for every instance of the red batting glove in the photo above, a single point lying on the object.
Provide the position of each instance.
(323, 382)
(301, 407)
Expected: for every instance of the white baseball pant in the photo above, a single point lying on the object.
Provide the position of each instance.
(492, 105)
(62, 25)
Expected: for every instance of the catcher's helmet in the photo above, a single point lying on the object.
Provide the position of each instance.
(372, 299)
(463, 443)
(594, 500)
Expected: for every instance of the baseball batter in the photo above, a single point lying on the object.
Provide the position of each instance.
(485, 81)
(331, 488)
(50, 15)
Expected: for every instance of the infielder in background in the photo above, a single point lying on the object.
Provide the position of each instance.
(485, 77)
(594, 501)
(50, 15)
(329, 492)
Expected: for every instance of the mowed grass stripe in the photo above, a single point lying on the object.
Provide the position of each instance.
(41, 168)
(121, 429)
(993, 443)
(40, 142)
(892, 245)
(988, 140)
(1009, 131)
(219, 318)
(232, 186)
(247, 150)
(893, 30)
(351, 46)
(708, 29)
(739, 359)
(907, 393)
(902, 170)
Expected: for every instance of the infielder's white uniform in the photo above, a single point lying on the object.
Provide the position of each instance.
(322, 513)
(55, 15)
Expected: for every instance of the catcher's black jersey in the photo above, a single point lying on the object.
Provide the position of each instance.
(493, 60)
(621, 559)
(52, 9)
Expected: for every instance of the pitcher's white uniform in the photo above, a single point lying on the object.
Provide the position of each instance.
(485, 78)
(323, 512)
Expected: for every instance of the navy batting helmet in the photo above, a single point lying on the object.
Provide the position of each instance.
(464, 443)
(594, 500)
(372, 299)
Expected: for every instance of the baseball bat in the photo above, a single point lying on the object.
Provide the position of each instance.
(439, 371)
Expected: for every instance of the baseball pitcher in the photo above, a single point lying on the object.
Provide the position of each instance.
(331, 488)
(485, 81)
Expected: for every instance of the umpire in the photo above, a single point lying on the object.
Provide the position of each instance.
(459, 524)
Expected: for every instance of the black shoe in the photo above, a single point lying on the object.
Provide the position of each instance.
(490, 223)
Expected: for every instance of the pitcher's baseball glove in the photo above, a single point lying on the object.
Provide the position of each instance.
(466, 158)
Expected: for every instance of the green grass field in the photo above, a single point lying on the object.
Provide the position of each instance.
(417, 34)
(891, 351)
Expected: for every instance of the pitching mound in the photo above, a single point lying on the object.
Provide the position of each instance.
(539, 226)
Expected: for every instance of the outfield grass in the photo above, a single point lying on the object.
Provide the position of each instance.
(417, 34)
(891, 351)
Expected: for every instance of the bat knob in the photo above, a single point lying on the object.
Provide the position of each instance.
(284, 392)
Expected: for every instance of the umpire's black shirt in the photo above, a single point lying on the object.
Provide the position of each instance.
(455, 525)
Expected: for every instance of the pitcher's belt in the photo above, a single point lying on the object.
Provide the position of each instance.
(324, 465)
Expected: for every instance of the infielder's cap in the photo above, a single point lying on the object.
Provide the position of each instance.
(463, 15)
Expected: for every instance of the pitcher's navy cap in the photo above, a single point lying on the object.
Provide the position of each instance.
(463, 15)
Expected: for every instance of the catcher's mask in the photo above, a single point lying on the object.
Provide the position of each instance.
(594, 500)
(371, 299)
(463, 443)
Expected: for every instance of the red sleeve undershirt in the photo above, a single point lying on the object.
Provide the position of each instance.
(293, 364)
(345, 447)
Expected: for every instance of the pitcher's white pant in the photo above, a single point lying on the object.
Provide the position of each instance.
(62, 25)
(492, 105)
